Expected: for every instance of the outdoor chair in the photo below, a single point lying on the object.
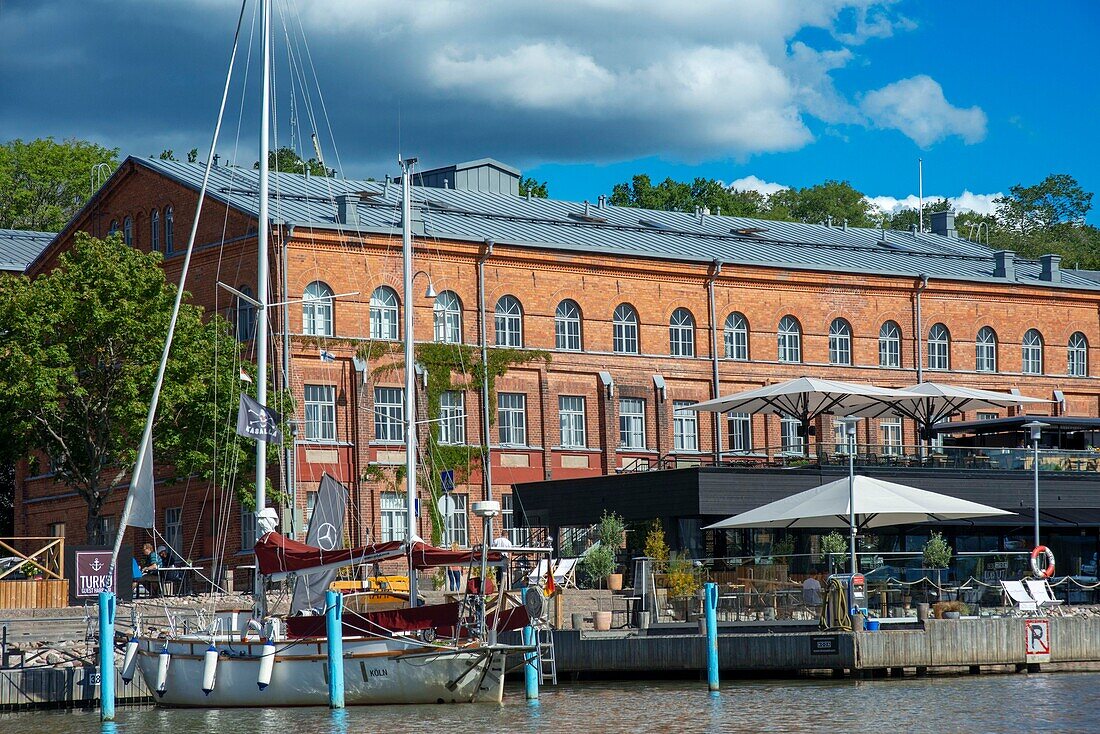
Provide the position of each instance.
(1025, 602)
(1042, 594)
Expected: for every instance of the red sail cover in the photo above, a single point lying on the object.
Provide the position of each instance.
(440, 617)
(278, 554)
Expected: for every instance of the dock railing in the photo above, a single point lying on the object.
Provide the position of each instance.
(32, 573)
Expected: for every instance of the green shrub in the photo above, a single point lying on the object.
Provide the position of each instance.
(656, 547)
(598, 564)
(937, 553)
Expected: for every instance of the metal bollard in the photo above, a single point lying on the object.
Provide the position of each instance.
(334, 624)
(710, 608)
(106, 656)
(531, 665)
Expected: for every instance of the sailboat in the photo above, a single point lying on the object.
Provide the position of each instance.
(422, 654)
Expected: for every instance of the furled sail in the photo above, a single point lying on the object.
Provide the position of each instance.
(326, 531)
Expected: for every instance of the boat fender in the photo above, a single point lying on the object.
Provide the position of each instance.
(1048, 558)
(251, 625)
(209, 669)
(267, 663)
(129, 662)
(162, 670)
(271, 629)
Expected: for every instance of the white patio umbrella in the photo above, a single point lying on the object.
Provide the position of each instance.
(874, 503)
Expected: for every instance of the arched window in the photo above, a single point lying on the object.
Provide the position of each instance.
(1077, 356)
(168, 235)
(246, 316)
(448, 318)
(737, 336)
(985, 350)
(789, 338)
(567, 326)
(889, 345)
(317, 310)
(939, 348)
(624, 337)
(509, 322)
(113, 228)
(128, 231)
(840, 342)
(154, 230)
(383, 313)
(681, 333)
(1033, 352)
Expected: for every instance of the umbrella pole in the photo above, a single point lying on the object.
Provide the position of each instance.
(852, 497)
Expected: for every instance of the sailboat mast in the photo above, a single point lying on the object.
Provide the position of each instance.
(410, 371)
(262, 275)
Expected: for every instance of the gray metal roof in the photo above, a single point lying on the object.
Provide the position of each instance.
(18, 248)
(304, 201)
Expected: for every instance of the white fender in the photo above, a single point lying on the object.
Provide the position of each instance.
(209, 669)
(267, 663)
(249, 626)
(162, 670)
(129, 662)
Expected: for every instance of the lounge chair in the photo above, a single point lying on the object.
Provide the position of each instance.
(1040, 590)
(1025, 602)
(565, 573)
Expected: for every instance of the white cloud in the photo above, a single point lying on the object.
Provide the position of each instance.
(967, 201)
(918, 108)
(752, 183)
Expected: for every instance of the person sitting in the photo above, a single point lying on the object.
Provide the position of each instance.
(169, 559)
(152, 560)
(811, 592)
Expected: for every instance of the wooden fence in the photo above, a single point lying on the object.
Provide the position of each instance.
(43, 560)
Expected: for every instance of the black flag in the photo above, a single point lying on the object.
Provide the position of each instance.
(256, 421)
(326, 531)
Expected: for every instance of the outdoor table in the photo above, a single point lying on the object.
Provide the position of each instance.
(176, 588)
(631, 603)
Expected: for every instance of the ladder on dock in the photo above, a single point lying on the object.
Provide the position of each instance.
(548, 666)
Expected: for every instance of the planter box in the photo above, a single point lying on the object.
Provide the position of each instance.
(34, 594)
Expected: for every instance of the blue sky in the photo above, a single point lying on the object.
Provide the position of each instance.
(585, 93)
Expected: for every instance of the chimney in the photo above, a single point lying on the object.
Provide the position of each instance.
(1052, 269)
(943, 224)
(601, 203)
(347, 209)
(1004, 264)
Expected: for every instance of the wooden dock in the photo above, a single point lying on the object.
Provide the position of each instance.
(56, 687)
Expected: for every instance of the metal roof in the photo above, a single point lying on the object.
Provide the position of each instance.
(304, 201)
(18, 248)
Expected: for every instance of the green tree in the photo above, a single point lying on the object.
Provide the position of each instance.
(43, 183)
(167, 155)
(838, 201)
(1056, 200)
(287, 160)
(79, 349)
(906, 218)
(529, 186)
(702, 193)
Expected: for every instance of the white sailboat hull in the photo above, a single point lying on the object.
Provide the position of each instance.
(376, 671)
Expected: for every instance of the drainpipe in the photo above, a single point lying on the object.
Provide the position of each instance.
(714, 359)
(919, 336)
(486, 455)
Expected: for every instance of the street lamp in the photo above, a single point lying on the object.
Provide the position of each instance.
(1036, 431)
(849, 423)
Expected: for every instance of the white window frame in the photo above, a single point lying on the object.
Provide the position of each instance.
(246, 316)
(632, 424)
(248, 529)
(508, 322)
(452, 418)
(571, 420)
(393, 516)
(567, 326)
(985, 350)
(389, 414)
(518, 536)
(681, 333)
(169, 230)
(624, 330)
(447, 317)
(685, 426)
(128, 231)
(889, 345)
(790, 442)
(1032, 353)
(456, 526)
(1077, 355)
(890, 431)
(788, 337)
(317, 309)
(939, 347)
(739, 429)
(736, 336)
(383, 313)
(512, 418)
(154, 230)
(840, 342)
(173, 529)
(319, 403)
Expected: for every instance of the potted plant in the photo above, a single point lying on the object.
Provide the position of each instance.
(656, 547)
(598, 563)
(937, 555)
(610, 533)
(832, 546)
(682, 581)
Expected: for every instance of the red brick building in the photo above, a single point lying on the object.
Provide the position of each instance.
(636, 311)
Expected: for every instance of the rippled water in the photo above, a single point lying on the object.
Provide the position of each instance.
(1061, 702)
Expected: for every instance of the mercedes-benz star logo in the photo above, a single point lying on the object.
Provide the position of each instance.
(326, 536)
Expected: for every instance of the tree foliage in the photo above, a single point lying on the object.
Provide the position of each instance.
(836, 201)
(1056, 200)
(79, 349)
(670, 195)
(287, 160)
(529, 186)
(43, 183)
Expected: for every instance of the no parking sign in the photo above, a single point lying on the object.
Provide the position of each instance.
(1037, 640)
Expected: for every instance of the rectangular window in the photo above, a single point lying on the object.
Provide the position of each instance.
(389, 414)
(457, 529)
(248, 529)
(311, 504)
(518, 536)
(320, 403)
(891, 437)
(105, 528)
(57, 530)
(452, 417)
(740, 432)
(685, 426)
(512, 418)
(631, 423)
(790, 440)
(395, 518)
(987, 416)
(173, 528)
(571, 418)
(840, 437)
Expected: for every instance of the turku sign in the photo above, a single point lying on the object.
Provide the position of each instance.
(87, 569)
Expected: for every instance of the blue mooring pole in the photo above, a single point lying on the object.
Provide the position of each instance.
(334, 623)
(710, 608)
(531, 665)
(106, 656)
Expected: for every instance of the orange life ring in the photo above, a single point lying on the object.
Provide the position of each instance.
(1047, 572)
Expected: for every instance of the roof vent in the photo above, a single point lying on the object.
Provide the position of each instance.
(601, 203)
(1004, 264)
(1051, 268)
(347, 209)
(943, 224)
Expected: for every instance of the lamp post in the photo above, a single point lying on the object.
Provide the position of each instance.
(1036, 431)
(849, 423)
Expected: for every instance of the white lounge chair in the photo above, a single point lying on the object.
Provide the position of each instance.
(1040, 590)
(565, 573)
(1025, 602)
